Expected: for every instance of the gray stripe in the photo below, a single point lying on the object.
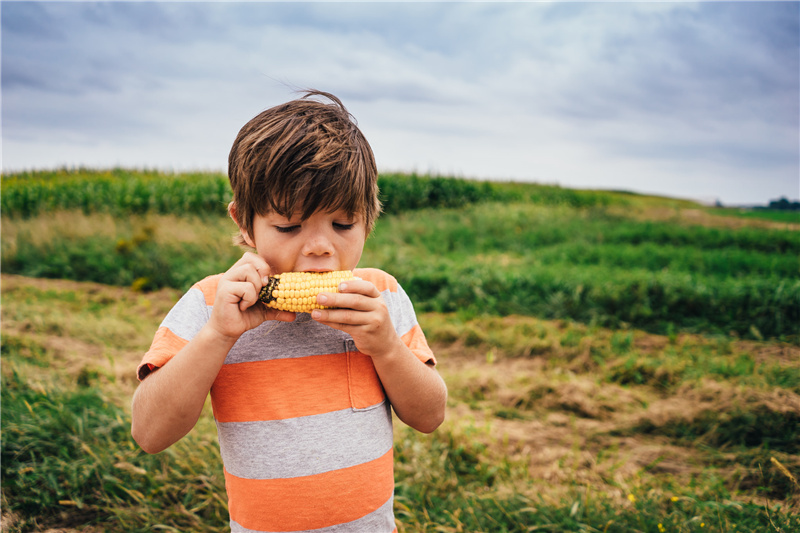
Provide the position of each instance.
(188, 315)
(401, 310)
(379, 521)
(305, 337)
(285, 340)
(306, 445)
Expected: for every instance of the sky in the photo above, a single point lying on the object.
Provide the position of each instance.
(680, 99)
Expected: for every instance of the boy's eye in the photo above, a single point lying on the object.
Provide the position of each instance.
(286, 229)
(339, 225)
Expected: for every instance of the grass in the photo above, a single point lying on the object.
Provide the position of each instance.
(551, 261)
(615, 362)
(543, 430)
(774, 215)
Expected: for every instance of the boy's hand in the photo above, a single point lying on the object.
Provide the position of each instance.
(362, 313)
(236, 305)
(416, 391)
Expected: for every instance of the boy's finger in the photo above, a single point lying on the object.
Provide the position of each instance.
(345, 317)
(342, 300)
(256, 261)
(246, 273)
(359, 286)
(247, 294)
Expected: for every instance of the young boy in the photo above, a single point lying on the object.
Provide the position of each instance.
(301, 401)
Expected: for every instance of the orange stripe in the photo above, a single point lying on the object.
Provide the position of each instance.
(165, 345)
(380, 279)
(365, 386)
(415, 340)
(288, 388)
(208, 287)
(311, 502)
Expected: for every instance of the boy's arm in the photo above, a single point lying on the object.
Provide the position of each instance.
(417, 392)
(168, 402)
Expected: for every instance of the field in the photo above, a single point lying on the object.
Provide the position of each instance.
(614, 362)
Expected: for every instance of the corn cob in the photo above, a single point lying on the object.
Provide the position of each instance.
(297, 291)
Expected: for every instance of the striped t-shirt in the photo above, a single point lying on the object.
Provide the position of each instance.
(305, 429)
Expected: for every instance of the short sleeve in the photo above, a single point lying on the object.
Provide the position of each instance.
(180, 325)
(401, 311)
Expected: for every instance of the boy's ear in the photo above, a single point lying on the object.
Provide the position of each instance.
(245, 236)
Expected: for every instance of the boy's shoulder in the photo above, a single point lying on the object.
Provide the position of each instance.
(208, 286)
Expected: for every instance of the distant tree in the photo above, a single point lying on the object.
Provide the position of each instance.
(784, 205)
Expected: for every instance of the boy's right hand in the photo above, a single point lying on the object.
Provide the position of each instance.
(236, 305)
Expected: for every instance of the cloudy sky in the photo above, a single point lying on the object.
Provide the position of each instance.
(690, 100)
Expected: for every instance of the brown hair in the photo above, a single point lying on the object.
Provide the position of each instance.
(303, 154)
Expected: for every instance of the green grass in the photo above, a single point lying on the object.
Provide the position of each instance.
(557, 261)
(541, 431)
(69, 450)
(560, 262)
(612, 364)
(774, 215)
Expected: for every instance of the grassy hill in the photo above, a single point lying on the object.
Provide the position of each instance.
(614, 362)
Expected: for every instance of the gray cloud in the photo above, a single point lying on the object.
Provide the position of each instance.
(483, 89)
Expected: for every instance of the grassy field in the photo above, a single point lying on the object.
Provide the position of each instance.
(614, 362)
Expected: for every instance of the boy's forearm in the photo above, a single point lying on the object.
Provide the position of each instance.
(417, 393)
(168, 403)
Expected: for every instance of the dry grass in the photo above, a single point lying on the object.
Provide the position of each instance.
(546, 390)
(690, 213)
(536, 407)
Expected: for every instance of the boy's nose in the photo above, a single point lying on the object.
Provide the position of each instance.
(318, 245)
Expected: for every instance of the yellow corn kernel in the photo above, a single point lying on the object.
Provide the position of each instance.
(297, 291)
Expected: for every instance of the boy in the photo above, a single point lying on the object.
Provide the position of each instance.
(302, 401)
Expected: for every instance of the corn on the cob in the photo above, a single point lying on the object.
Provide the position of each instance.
(297, 291)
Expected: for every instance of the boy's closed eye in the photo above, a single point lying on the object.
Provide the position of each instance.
(337, 225)
(287, 229)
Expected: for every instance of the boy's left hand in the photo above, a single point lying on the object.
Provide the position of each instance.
(362, 313)
(416, 391)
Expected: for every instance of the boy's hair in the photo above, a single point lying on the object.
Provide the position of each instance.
(303, 153)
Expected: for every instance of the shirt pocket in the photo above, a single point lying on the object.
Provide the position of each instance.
(366, 390)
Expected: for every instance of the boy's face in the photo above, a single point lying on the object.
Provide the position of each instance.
(322, 242)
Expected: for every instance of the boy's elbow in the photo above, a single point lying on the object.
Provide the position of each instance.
(430, 428)
(145, 443)
(146, 447)
(435, 417)
(431, 423)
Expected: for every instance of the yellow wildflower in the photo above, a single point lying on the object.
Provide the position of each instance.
(632, 498)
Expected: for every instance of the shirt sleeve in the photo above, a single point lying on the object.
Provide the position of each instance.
(180, 325)
(410, 331)
(401, 311)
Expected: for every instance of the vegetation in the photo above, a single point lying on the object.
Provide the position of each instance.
(614, 362)
(784, 204)
(482, 248)
(125, 192)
